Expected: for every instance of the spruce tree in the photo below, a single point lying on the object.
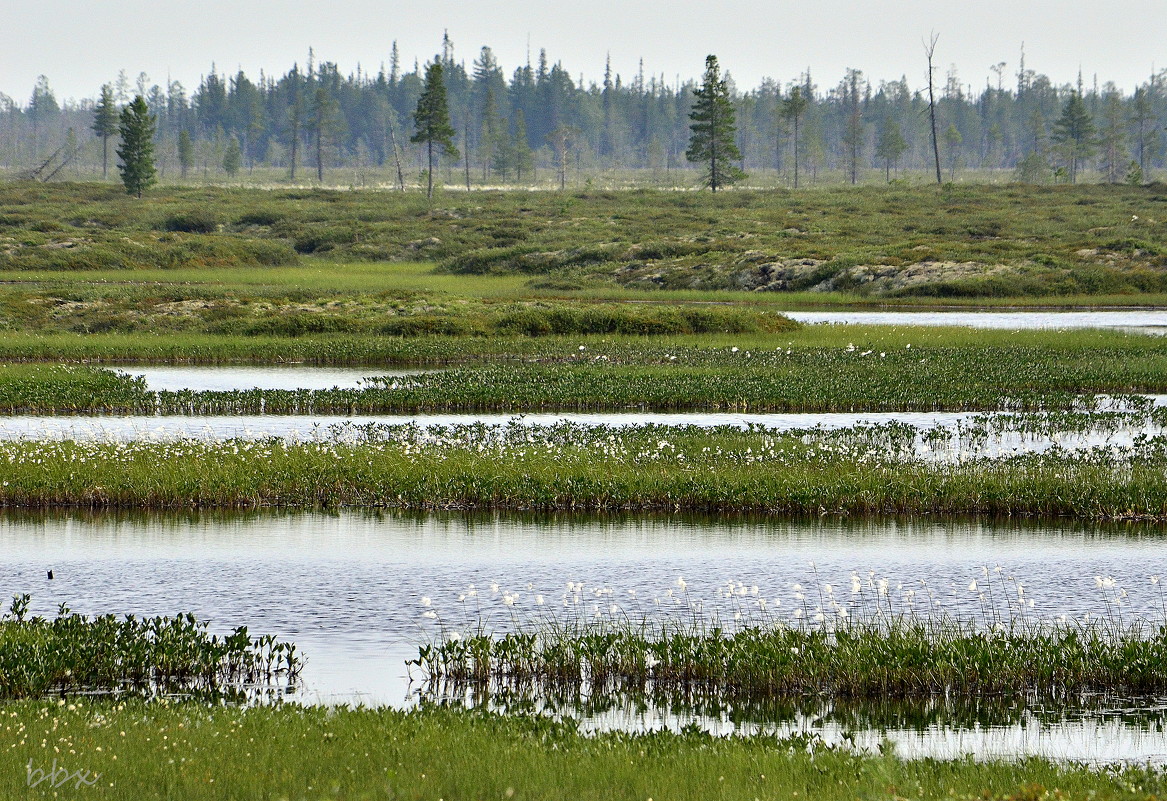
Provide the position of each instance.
(792, 109)
(1074, 131)
(136, 129)
(432, 120)
(521, 158)
(712, 139)
(891, 144)
(233, 158)
(105, 124)
(186, 154)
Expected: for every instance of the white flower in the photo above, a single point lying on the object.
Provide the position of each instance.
(425, 601)
(733, 349)
(582, 348)
(539, 600)
(972, 587)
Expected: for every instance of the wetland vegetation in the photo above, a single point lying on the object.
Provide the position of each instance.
(193, 751)
(581, 301)
(74, 653)
(598, 468)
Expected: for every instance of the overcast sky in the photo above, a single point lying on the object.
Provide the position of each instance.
(80, 44)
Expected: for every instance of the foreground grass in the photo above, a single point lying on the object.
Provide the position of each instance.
(566, 467)
(146, 751)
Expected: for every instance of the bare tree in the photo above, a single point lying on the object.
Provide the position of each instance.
(929, 51)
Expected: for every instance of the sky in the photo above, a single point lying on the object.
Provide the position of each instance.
(80, 44)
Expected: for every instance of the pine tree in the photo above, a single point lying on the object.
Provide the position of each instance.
(952, 141)
(105, 124)
(1074, 131)
(711, 140)
(890, 145)
(233, 158)
(136, 129)
(1113, 139)
(325, 112)
(520, 156)
(432, 120)
(186, 154)
(792, 109)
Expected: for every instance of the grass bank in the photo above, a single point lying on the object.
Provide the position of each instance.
(147, 751)
(820, 368)
(572, 468)
(964, 241)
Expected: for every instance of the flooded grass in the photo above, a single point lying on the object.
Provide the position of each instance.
(862, 370)
(192, 751)
(73, 653)
(868, 470)
(872, 643)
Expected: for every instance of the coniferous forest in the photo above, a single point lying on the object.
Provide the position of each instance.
(541, 124)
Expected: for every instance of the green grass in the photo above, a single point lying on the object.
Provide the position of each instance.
(813, 368)
(870, 643)
(160, 751)
(959, 241)
(572, 468)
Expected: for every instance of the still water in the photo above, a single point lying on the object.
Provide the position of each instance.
(198, 378)
(349, 590)
(1145, 321)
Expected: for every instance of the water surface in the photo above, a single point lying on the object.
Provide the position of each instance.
(349, 589)
(1146, 321)
(201, 378)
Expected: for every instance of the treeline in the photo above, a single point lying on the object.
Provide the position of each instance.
(540, 123)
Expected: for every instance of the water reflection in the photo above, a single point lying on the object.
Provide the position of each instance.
(1143, 321)
(1094, 730)
(216, 378)
(348, 588)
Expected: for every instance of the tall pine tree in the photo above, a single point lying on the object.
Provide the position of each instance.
(105, 124)
(432, 120)
(1074, 132)
(136, 129)
(711, 141)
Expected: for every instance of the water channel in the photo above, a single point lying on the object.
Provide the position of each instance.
(1143, 321)
(349, 590)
